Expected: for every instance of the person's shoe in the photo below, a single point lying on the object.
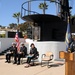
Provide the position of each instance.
(26, 66)
(9, 61)
(14, 63)
(6, 61)
(18, 63)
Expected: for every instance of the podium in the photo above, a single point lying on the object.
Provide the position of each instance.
(69, 62)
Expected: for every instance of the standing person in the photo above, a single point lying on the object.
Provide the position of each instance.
(72, 45)
(32, 54)
(22, 53)
(10, 52)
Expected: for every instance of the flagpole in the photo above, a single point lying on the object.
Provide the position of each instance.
(69, 50)
(68, 36)
(68, 20)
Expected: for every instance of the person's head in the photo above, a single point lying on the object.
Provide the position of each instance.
(32, 45)
(22, 44)
(13, 44)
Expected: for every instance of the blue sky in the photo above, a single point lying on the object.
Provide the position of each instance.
(8, 7)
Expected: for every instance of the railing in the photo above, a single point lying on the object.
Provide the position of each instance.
(28, 11)
(25, 11)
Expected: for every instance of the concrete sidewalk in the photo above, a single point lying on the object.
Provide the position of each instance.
(11, 69)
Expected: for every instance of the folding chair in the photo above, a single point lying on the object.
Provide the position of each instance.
(48, 56)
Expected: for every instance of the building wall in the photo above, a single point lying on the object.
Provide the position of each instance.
(7, 42)
(52, 31)
(42, 47)
(52, 46)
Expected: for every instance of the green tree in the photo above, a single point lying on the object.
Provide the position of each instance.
(23, 26)
(17, 16)
(13, 25)
(43, 6)
(3, 27)
(0, 25)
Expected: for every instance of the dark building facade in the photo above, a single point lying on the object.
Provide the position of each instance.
(52, 28)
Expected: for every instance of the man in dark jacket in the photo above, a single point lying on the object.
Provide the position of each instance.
(72, 46)
(12, 51)
(22, 53)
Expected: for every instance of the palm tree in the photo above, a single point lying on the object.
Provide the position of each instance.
(43, 6)
(17, 16)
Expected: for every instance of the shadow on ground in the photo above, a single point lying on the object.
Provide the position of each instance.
(52, 64)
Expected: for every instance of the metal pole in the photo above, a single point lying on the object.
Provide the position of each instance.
(44, 7)
(57, 9)
(29, 7)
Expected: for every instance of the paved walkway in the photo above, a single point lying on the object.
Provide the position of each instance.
(10, 69)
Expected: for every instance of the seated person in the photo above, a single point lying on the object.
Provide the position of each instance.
(22, 53)
(32, 54)
(72, 46)
(10, 52)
